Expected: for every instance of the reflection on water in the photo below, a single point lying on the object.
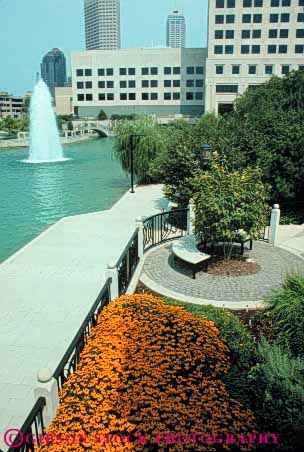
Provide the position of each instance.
(32, 197)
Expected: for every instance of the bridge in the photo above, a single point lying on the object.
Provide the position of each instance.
(103, 128)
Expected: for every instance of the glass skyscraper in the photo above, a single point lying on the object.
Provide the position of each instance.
(176, 30)
(102, 24)
(53, 70)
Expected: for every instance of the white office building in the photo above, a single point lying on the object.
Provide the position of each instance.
(248, 42)
(161, 81)
(102, 24)
(176, 30)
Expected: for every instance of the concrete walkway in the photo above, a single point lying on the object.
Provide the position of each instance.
(291, 237)
(47, 289)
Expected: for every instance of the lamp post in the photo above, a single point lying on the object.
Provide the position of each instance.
(205, 155)
(132, 145)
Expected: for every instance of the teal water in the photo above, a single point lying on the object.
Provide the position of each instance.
(33, 197)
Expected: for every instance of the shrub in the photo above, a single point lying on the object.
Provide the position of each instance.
(286, 310)
(102, 116)
(151, 368)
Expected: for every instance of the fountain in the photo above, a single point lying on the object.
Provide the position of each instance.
(45, 145)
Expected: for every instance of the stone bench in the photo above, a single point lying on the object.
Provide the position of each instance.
(185, 249)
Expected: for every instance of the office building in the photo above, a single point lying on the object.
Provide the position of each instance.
(11, 106)
(144, 81)
(64, 100)
(176, 30)
(102, 24)
(248, 42)
(53, 70)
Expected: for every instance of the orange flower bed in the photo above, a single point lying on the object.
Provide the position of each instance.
(149, 369)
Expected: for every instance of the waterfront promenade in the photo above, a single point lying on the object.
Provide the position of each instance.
(47, 289)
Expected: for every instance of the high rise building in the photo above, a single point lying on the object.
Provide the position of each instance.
(176, 30)
(53, 69)
(248, 42)
(102, 24)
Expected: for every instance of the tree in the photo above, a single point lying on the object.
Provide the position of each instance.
(70, 126)
(227, 202)
(102, 115)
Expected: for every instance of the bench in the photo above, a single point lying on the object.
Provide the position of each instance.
(185, 249)
(242, 238)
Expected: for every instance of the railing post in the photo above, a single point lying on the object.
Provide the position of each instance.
(140, 227)
(274, 224)
(112, 272)
(48, 389)
(190, 218)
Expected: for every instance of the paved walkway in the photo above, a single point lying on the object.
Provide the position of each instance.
(170, 278)
(291, 237)
(47, 289)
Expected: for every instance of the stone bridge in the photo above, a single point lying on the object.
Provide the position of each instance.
(103, 128)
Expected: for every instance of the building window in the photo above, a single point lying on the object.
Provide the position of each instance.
(80, 85)
(154, 96)
(199, 83)
(274, 18)
(301, 2)
(227, 88)
(285, 69)
(144, 71)
(101, 72)
(244, 49)
(132, 84)
(229, 34)
(299, 48)
(245, 34)
(273, 33)
(176, 83)
(283, 48)
(257, 18)
(285, 2)
(301, 67)
(199, 95)
(167, 70)
(122, 71)
(89, 97)
(247, 3)
(300, 33)
(218, 34)
(285, 17)
(256, 34)
(154, 83)
(110, 96)
(123, 96)
(132, 96)
(122, 84)
(167, 96)
(145, 83)
(154, 71)
(131, 71)
(246, 18)
(229, 50)
(190, 70)
(258, 3)
(101, 96)
(89, 85)
(190, 83)
(110, 72)
(220, 3)
(275, 3)
(284, 33)
(176, 70)
(219, 19)
(256, 49)
(219, 69)
(145, 96)
(199, 70)
(230, 19)
(80, 97)
(301, 17)
(272, 49)
(167, 83)
(218, 50)
(230, 3)
(79, 72)
(189, 96)
(110, 85)
(268, 69)
(88, 72)
(176, 96)
(235, 69)
(252, 69)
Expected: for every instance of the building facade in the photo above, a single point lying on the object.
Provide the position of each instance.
(64, 100)
(248, 42)
(102, 24)
(176, 30)
(53, 70)
(143, 81)
(11, 106)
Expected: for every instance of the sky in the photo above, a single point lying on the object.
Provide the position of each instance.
(30, 28)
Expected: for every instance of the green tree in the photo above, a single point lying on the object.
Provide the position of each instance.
(102, 116)
(70, 126)
(227, 202)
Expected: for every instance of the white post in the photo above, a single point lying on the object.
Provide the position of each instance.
(140, 226)
(47, 388)
(274, 224)
(112, 272)
(190, 218)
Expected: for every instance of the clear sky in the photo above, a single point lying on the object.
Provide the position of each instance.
(30, 28)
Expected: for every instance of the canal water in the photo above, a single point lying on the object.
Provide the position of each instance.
(35, 196)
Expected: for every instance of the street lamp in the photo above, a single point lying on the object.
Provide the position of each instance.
(205, 155)
(132, 146)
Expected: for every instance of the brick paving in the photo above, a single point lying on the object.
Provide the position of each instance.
(161, 268)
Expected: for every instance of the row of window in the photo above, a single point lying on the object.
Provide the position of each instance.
(256, 49)
(252, 69)
(144, 96)
(255, 3)
(144, 84)
(256, 34)
(109, 72)
(257, 18)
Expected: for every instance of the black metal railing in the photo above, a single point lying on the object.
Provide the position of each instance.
(70, 360)
(31, 433)
(127, 264)
(164, 227)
